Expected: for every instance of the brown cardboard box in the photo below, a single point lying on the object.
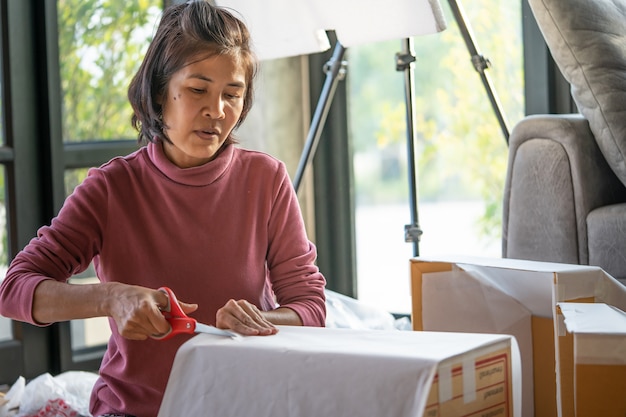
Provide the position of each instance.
(506, 296)
(595, 335)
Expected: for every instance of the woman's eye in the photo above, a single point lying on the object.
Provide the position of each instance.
(197, 90)
(232, 95)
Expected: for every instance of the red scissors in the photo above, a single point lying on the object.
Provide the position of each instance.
(181, 323)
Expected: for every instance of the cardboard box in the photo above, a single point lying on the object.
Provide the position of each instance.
(595, 334)
(303, 371)
(507, 296)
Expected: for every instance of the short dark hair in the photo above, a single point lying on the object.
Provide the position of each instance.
(187, 32)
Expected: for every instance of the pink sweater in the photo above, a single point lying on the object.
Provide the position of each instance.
(229, 229)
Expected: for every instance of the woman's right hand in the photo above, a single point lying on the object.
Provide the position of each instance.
(136, 311)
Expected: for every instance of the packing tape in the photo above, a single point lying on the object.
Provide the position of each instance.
(469, 379)
(445, 382)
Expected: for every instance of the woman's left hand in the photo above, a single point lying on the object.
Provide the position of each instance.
(244, 318)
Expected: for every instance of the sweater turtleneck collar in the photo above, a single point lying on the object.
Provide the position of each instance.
(196, 176)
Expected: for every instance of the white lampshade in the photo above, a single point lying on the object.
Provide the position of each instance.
(282, 28)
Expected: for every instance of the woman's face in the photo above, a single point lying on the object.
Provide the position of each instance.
(204, 102)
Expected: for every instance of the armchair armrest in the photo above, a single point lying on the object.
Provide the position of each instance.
(556, 175)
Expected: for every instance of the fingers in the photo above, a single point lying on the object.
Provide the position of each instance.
(187, 307)
(244, 318)
(157, 325)
(137, 313)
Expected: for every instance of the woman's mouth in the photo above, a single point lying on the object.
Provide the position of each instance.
(209, 134)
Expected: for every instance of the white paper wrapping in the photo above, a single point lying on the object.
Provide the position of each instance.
(599, 332)
(304, 371)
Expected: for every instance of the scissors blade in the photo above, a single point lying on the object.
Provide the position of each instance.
(205, 328)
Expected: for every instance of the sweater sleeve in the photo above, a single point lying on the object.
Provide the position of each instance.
(60, 250)
(295, 278)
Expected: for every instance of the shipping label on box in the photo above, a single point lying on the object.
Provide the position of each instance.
(507, 296)
(482, 387)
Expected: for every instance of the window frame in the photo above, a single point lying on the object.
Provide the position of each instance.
(28, 354)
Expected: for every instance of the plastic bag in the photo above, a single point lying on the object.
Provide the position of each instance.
(38, 392)
(78, 387)
(346, 312)
(12, 398)
(66, 395)
(55, 408)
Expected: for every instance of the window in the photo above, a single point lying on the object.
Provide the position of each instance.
(461, 153)
(101, 45)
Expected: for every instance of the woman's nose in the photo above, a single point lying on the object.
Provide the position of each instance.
(214, 108)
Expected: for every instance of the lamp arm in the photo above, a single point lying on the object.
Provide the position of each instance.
(335, 70)
(480, 64)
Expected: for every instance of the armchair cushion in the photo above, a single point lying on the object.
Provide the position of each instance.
(550, 190)
(587, 39)
(604, 224)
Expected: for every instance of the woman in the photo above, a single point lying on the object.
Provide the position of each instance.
(219, 225)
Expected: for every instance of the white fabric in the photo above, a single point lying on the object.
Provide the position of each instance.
(305, 371)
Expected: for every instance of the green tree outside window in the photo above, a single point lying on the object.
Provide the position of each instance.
(101, 44)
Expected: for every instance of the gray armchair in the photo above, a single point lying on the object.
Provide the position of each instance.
(565, 193)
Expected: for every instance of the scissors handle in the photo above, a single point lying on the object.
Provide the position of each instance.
(174, 314)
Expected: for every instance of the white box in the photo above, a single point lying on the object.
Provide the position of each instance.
(304, 371)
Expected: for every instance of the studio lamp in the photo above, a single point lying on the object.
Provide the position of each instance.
(284, 28)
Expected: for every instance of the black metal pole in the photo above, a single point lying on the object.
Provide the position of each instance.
(335, 70)
(480, 64)
(404, 62)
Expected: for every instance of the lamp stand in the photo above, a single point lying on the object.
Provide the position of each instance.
(404, 62)
(335, 70)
